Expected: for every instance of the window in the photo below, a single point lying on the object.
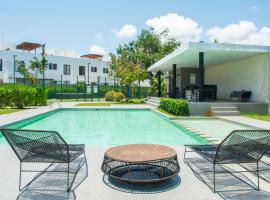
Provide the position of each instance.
(66, 69)
(192, 79)
(52, 66)
(81, 70)
(1, 65)
(105, 70)
(93, 69)
(66, 82)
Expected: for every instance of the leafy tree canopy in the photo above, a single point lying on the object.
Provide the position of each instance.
(131, 60)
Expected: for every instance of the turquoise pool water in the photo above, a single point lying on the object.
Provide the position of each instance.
(112, 127)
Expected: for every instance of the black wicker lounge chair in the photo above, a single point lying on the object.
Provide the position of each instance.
(239, 147)
(37, 146)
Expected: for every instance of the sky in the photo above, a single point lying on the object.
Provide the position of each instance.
(99, 26)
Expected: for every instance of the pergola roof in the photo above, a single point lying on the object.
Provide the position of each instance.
(92, 56)
(28, 46)
(214, 53)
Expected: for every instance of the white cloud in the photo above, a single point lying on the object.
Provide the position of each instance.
(183, 28)
(245, 32)
(253, 8)
(96, 49)
(99, 36)
(127, 31)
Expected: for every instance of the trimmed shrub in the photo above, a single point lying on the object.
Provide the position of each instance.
(109, 96)
(21, 96)
(119, 96)
(41, 97)
(177, 107)
(5, 97)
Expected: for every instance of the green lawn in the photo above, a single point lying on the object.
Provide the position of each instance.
(94, 104)
(257, 116)
(8, 110)
(165, 112)
(109, 103)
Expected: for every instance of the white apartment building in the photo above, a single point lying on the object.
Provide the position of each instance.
(88, 68)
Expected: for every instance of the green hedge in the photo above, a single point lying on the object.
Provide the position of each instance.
(174, 106)
(21, 96)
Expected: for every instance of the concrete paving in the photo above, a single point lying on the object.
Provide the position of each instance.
(97, 187)
(248, 121)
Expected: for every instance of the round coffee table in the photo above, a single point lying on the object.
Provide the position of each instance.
(140, 163)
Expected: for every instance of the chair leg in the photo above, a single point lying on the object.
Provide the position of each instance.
(258, 176)
(68, 177)
(20, 176)
(185, 154)
(214, 166)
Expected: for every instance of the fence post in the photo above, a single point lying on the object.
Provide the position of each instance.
(43, 73)
(14, 67)
(92, 91)
(139, 89)
(98, 88)
(77, 89)
(61, 89)
(85, 88)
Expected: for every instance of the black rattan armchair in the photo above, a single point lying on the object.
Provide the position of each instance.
(37, 146)
(239, 147)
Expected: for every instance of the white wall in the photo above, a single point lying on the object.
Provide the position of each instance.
(8, 72)
(247, 74)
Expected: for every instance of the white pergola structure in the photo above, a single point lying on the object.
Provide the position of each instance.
(229, 66)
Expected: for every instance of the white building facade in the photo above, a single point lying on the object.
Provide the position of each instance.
(70, 69)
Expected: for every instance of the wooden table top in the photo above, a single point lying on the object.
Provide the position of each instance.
(140, 152)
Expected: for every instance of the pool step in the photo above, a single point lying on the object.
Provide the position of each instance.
(224, 110)
(153, 101)
(196, 131)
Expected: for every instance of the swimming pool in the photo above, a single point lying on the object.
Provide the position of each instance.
(105, 127)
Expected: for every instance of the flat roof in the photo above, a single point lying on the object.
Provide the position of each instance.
(214, 53)
(29, 46)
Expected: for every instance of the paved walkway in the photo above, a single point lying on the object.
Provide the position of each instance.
(248, 121)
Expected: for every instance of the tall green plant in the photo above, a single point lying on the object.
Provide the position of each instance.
(21, 68)
(36, 66)
(131, 60)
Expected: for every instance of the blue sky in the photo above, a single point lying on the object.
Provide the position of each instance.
(80, 24)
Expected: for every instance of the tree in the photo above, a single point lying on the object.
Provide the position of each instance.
(37, 66)
(131, 60)
(151, 46)
(127, 72)
(21, 68)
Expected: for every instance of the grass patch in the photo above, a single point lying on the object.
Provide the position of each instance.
(132, 101)
(258, 116)
(165, 112)
(8, 110)
(94, 104)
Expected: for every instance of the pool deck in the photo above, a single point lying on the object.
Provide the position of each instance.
(95, 187)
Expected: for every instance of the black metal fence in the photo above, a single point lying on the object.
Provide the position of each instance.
(82, 91)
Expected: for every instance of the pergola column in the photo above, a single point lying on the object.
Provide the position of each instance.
(174, 81)
(201, 75)
(159, 83)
